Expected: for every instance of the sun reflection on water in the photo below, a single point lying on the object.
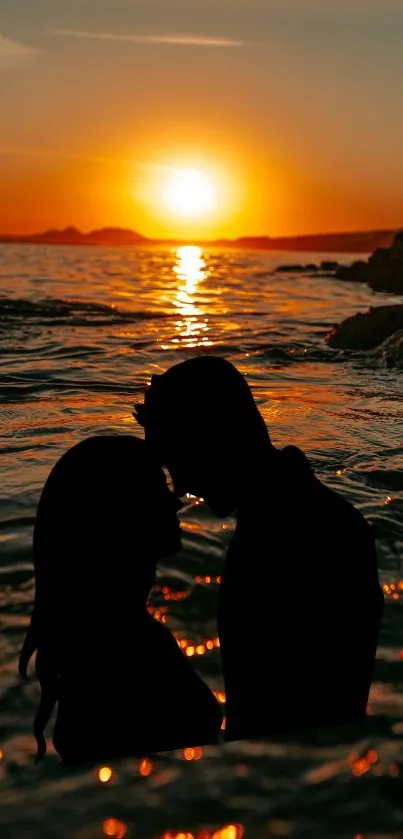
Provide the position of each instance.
(190, 269)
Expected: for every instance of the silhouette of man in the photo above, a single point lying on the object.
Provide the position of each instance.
(300, 604)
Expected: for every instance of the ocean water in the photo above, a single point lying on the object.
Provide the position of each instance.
(81, 332)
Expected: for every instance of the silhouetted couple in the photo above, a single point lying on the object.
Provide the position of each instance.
(299, 604)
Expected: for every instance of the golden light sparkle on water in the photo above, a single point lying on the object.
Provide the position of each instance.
(392, 590)
(191, 270)
(171, 594)
(195, 753)
(360, 766)
(208, 580)
(229, 831)
(189, 192)
(114, 828)
(105, 774)
(191, 648)
(145, 768)
(190, 266)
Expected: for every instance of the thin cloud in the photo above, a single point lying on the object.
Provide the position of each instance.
(187, 40)
(13, 53)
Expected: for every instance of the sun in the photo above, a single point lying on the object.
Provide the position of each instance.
(189, 192)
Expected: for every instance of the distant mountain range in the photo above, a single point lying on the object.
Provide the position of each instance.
(73, 236)
(350, 242)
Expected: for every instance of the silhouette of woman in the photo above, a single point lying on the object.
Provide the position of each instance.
(121, 683)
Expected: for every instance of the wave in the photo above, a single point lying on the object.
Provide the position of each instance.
(72, 312)
(16, 313)
(54, 309)
(390, 353)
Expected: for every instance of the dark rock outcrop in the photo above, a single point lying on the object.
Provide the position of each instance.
(365, 331)
(290, 269)
(296, 268)
(355, 273)
(382, 272)
(329, 266)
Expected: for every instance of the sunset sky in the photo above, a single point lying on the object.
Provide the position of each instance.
(291, 110)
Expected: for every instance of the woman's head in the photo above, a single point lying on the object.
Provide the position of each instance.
(104, 519)
(201, 420)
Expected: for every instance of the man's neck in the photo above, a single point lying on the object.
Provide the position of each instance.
(259, 474)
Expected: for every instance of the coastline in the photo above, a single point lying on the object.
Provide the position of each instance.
(350, 242)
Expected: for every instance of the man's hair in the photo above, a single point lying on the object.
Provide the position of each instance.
(205, 399)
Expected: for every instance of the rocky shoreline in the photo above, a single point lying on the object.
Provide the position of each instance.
(383, 272)
(366, 330)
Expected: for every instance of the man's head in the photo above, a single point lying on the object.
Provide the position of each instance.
(204, 426)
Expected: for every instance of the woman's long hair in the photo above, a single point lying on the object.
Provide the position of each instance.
(46, 668)
(41, 638)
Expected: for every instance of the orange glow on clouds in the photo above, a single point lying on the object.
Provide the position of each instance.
(222, 143)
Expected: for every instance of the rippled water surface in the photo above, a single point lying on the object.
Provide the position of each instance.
(81, 331)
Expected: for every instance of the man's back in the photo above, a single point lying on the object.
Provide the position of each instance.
(300, 607)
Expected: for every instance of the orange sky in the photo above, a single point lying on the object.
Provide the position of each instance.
(293, 111)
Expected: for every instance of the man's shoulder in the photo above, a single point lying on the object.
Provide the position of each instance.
(321, 499)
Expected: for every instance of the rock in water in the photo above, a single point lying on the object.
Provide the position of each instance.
(355, 273)
(364, 331)
(290, 269)
(382, 272)
(329, 266)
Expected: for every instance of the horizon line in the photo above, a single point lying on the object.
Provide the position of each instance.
(130, 230)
